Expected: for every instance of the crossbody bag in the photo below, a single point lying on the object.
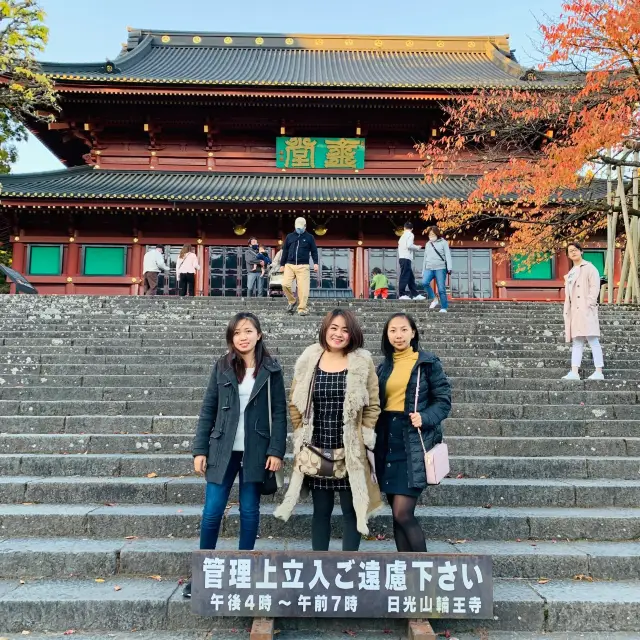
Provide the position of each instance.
(436, 460)
(433, 246)
(317, 462)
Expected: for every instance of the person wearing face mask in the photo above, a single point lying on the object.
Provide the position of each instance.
(415, 397)
(334, 407)
(254, 268)
(298, 247)
(437, 265)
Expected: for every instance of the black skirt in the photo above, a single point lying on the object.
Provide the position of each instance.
(393, 475)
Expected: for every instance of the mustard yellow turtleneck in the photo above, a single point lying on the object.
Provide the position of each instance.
(396, 391)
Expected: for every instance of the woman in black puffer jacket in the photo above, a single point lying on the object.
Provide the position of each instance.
(399, 454)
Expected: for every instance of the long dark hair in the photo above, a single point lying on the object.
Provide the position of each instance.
(387, 347)
(234, 358)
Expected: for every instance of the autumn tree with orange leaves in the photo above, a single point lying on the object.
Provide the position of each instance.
(544, 150)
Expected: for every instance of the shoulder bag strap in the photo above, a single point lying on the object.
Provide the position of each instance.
(440, 255)
(415, 409)
(307, 411)
(269, 401)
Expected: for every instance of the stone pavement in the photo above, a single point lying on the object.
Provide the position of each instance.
(98, 403)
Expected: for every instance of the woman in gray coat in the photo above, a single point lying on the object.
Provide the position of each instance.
(236, 434)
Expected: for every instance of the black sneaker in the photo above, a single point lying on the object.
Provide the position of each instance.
(186, 590)
(291, 307)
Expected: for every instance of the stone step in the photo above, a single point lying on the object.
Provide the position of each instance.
(139, 465)
(181, 443)
(186, 426)
(65, 557)
(192, 408)
(475, 523)
(459, 396)
(149, 605)
(480, 492)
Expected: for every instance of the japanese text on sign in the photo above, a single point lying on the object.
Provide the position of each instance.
(342, 584)
(320, 153)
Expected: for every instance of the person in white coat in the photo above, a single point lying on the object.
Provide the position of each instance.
(406, 247)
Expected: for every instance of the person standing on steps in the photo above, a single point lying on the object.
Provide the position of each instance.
(254, 264)
(186, 267)
(437, 264)
(399, 455)
(581, 323)
(242, 430)
(152, 265)
(334, 407)
(298, 247)
(406, 247)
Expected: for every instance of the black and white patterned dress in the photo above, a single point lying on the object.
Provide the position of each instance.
(328, 402)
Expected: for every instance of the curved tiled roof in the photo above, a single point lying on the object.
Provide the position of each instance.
(307, 61)
(85, 183)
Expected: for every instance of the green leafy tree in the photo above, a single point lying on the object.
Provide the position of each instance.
(25, 92)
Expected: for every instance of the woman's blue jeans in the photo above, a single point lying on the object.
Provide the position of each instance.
(441, 282)
(215, 503)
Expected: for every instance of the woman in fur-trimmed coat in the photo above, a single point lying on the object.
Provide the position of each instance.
(341, 379)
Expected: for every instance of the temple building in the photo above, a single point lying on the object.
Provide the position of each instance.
(210, 139)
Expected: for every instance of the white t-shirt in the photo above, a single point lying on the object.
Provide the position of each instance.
(244, 391)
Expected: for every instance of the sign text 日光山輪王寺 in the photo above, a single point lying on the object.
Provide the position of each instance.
(280, 584)
(319, 153)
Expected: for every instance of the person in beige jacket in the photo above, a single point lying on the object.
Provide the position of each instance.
(341, 378)
(581, 324)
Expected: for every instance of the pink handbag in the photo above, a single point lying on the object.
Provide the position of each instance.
(436, 460)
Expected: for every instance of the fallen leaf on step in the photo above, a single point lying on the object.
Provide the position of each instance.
(99, 579)
(543, 581)
(21, 581)
(581, 576)
(380, 537)
(117, 588)
(487, 506)
(153, 474)
(459, 541)
(353, 634)
(69, 632)
(158, 578)
(460, 476)
(110, 504)
(28, 504)
(131, 537)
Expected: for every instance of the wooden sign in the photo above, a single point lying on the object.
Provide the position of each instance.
(281, 584)
(319, 153)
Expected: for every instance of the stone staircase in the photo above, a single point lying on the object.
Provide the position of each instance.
(98, 404)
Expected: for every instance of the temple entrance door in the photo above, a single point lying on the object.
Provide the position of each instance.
(471, 276)
(226, 272)
(334, 271)
(167, 282)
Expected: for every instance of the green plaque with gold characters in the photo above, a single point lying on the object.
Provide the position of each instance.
(319, 153)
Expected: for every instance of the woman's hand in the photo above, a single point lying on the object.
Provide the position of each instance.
(273, 464)
(416, 420)
(200, 465)
(372, 463)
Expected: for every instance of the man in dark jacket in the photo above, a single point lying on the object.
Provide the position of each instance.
(298, 247)
(254, 268)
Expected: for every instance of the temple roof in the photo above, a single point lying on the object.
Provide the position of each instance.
(85, 183)
(329, 61)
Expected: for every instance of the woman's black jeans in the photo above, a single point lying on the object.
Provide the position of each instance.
(323, 500)
(187, 283)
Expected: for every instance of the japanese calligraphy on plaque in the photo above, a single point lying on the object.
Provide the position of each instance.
(320, 153)
(341, 584)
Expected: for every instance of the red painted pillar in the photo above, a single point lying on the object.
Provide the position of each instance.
(200, 275)
(70, 266)
(134, 267)
(18, 261)
(502, 266)
(358, 288)
(204, 264)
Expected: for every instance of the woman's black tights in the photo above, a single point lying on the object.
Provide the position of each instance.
(406, 529)
(323, 500)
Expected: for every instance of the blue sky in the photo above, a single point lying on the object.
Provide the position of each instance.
(91, 31)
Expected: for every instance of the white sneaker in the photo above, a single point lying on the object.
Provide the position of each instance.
(434, 303)
(419, 297)
(596, 375)
(442, 311)
(571, 376)
(404, 298)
